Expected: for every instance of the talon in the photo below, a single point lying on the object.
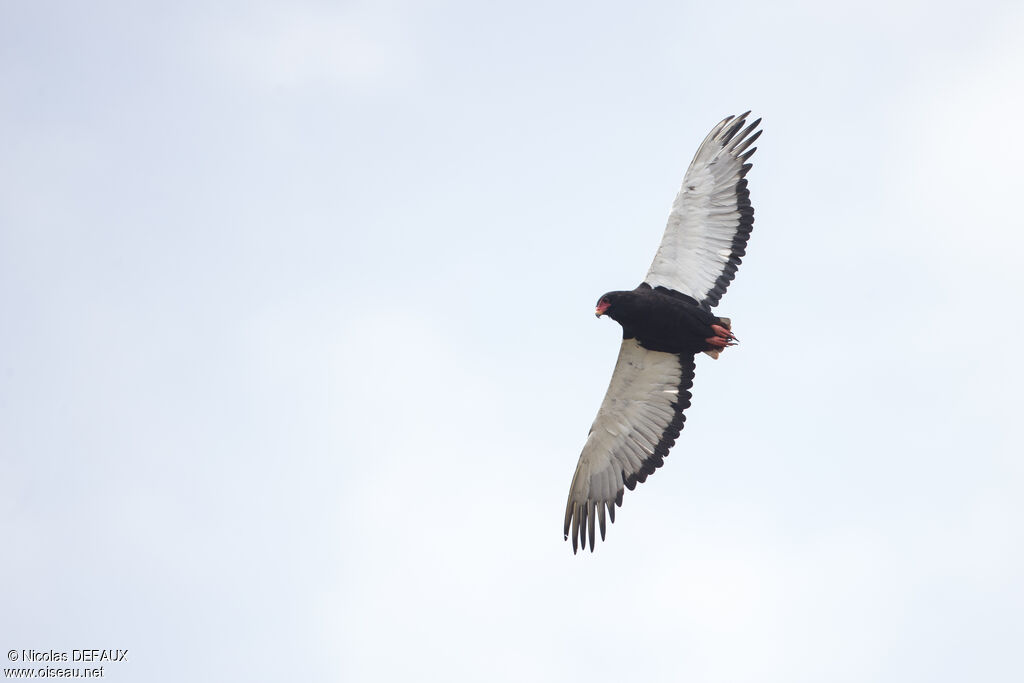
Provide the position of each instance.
(722, 332)
(722, 339)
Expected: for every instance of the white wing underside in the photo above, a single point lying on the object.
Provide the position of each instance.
(711, 217)
(639, 420)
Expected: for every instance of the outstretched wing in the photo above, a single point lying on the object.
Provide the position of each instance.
(711, 217)
(639, 420)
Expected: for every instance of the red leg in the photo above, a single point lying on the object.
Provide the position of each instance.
(722, 338)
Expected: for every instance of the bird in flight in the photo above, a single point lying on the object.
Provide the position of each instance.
(666, 321)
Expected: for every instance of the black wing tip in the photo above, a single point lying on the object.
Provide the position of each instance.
(580, 517)
(743, 116)
(733, 119)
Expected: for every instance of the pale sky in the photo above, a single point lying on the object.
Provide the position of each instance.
(298, 353)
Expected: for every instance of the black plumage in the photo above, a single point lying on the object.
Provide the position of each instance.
(661, 319)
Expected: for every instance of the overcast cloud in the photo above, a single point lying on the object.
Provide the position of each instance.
(297, 350)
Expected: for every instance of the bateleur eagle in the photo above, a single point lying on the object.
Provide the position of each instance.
(666, 321)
